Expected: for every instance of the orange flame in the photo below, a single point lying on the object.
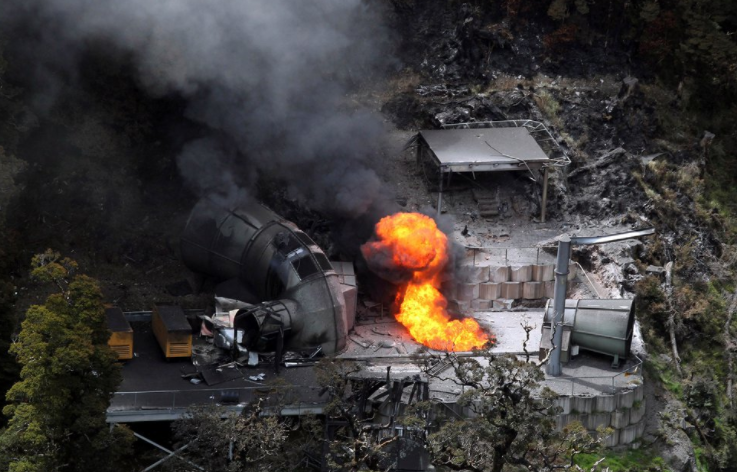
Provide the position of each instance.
(415, 244)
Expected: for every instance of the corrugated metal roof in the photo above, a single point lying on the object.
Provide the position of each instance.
(484, 149)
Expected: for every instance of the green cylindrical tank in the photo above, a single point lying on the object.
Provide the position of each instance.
(603, 326)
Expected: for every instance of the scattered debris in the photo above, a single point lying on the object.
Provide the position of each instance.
(257, 378)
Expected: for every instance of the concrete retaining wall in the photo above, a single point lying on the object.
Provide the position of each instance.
(624, 412)
(515, 282)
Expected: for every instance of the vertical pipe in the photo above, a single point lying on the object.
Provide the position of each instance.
(545, 197)
(559, 304)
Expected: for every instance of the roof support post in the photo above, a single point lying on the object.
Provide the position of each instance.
(440, 194)
(545, 197)
(559, 304)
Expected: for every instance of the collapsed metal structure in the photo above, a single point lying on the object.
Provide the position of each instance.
(302, 302)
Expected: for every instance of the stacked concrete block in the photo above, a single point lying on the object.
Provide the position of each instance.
(480, 304)
(606, 403)
(490, 291)
(532, 290)
(620, 419)
(562, 420)
(467, 292)
(612, 440)
(625, 399)
(639, 393)
(572, 270)
(543, 272)
(498, 274)
(624, 412)
(631, 433)
(511, 290)
(597, 420)
(463, 306)
(473, 274)
(564, 403)
(502, 304)
(636, 414)
(584, 404)
(549, 289)
(520, 274)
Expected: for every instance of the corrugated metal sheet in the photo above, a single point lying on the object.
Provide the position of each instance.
(485, 149)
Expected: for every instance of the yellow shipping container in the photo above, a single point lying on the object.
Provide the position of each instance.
(121, 333)
(172, 331)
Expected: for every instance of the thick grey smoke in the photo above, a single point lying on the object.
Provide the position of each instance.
(269, 78)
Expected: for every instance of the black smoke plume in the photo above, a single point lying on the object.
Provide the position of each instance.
(268, 79)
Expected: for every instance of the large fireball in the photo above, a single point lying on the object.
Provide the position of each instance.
(412, 243)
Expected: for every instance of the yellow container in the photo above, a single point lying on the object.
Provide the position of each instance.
(172, 331)
(121, 333)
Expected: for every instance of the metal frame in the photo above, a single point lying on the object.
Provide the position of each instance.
(170, 454)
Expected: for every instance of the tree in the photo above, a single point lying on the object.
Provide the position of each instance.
(352, 441)
(512, 420)
(218, 439)
(9, 369)
(258, 440)
(57, 408)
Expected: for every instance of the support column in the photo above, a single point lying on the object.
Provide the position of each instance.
(440, 193)
(543, 210)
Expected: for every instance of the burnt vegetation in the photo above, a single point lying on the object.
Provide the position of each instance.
(97, 161)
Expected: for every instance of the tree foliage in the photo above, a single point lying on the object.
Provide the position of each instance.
(352, 441)
(57, 408)
(9, 369)
(218, 439)
(511, 420)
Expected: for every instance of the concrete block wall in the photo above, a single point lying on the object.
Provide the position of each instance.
(513, 282)
(623, 411)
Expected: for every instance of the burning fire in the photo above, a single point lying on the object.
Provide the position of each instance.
(414, 243)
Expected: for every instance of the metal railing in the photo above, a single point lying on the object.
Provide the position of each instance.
(182, 399)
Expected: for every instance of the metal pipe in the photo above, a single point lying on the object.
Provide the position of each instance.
(585, 240)
(559, 305)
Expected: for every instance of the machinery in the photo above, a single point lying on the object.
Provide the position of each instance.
(299, 302)
(603, 326)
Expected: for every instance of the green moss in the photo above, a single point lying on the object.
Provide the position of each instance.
(668, 378)
(633, 460)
